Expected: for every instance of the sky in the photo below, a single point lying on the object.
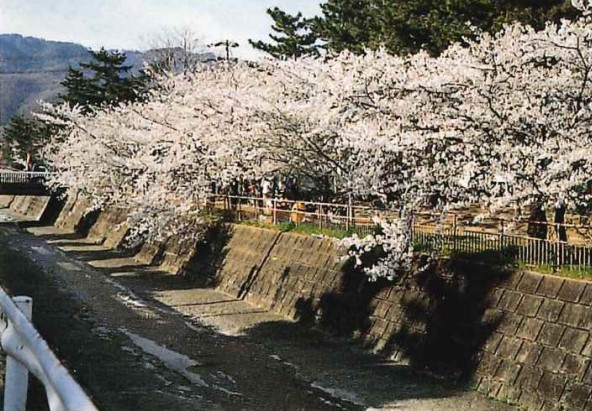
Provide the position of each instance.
(134, 24)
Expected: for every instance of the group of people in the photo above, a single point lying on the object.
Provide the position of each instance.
(288, 189)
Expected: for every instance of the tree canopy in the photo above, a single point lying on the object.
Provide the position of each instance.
(405, 26)
(105, 80)
(294, 36)
(502, 120)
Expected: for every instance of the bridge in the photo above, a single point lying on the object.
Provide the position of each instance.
(23, 183)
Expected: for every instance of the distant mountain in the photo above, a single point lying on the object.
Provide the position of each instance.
(32, 69)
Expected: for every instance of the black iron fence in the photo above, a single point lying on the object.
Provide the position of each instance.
(502, 241)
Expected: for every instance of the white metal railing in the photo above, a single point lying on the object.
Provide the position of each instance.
(22, 177)
(27, 351)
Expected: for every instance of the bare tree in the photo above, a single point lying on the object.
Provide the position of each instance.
(175, 49)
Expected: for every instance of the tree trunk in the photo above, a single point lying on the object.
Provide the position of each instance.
(537, 227)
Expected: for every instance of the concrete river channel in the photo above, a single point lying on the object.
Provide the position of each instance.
(137, 337)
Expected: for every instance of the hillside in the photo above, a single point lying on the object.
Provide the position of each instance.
(31, 69)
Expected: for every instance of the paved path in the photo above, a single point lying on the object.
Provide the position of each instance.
(141, 339)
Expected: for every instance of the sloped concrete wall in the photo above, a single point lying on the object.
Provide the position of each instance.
(30, 206)
(243, 257)
(148, 253)
(110, 228)
(20, 204)
(72, 213)
(520, 337)
(176, 255)
(5, 201)
(299, 270)
(540, 354)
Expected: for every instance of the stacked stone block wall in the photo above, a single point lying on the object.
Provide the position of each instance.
(31, 206)
(530, 342)
(540, 355)
(20, 204)
(148, 253)
(298, 271)
(243, 256)
(520, 337)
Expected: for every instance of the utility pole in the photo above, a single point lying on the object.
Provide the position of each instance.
(227, 44)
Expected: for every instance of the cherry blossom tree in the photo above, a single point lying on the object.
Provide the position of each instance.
(505, 120)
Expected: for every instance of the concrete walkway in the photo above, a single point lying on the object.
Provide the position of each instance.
(195, 348)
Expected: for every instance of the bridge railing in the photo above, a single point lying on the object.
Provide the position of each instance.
(27, 351)
(22, 177)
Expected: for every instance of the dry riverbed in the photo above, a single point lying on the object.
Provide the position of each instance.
(139, 339)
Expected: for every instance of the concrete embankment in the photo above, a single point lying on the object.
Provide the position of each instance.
(520, 337)
(31, 208)
(517, 336)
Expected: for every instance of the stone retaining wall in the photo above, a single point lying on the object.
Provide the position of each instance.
(72, 215)
(148, 254)
(541, 353)
(109, 228)
(176, 255)
(520, 337)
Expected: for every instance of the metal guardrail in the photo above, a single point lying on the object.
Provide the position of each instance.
(22, 177)
(505, 248)
(27, 351)
(278, 211)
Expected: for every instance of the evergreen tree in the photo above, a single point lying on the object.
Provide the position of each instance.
(294, 36)
(348, 24)
(103, 81)
(407, 26)
(23, 136)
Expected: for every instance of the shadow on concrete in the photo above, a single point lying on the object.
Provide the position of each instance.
(438, 318)
(444, 329)
(342, 363)
(98, 254)
(209, 254)
(59, 235)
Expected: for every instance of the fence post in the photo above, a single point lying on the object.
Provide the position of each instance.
(17, 377)
(413, 233)
(502, 233)
(454, 232)
(238, 209)
(274, 211)
(349, 215)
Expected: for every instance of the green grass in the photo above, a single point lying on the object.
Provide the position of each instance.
(302, 229)
(569, 271)
(507, 259)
